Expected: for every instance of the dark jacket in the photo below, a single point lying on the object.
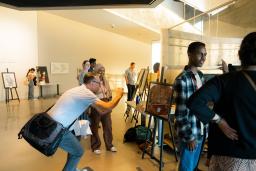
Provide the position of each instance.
(234, 100)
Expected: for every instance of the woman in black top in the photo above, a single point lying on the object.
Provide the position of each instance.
(233, 137)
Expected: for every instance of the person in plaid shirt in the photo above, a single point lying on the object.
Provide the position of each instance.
(189, 129)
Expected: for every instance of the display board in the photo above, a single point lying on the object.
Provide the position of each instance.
(42, 74)
(143, 81)
(159, 98)
(9, 80)
(139, 78)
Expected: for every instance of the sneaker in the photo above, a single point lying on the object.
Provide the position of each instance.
(81, 169)
(97, 151)
(113, 149)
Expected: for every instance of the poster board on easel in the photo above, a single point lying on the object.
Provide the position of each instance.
(138, 82)
(10, 83)
(9, 80)
(139, 78)
(143, 84)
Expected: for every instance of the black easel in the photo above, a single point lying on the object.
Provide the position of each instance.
(8, 91)
(157, 120)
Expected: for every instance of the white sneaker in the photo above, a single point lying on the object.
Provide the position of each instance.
(113, 149)
(81, 169)
(97, 151)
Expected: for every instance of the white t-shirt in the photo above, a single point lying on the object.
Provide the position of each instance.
(72, 104)
(198, 81)
(199, 84)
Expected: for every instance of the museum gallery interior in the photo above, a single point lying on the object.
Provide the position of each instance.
(53, 53)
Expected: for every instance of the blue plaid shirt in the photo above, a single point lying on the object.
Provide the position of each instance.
(188, 126)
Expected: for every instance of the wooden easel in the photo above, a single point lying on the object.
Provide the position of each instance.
(8, 91)
(7, 96)
(138, 83)
(142, 93)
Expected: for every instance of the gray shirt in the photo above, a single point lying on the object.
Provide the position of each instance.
(131, 76)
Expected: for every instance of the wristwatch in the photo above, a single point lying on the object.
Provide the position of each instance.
(216, 119)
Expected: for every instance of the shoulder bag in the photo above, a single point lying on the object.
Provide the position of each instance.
(43, 133)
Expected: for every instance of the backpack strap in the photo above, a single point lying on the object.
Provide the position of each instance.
(69, 125)
(49, 108)
(250, 80)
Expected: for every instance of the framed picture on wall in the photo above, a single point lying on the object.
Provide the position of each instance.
(9, 80)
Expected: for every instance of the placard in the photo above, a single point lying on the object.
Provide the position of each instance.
(9, 80)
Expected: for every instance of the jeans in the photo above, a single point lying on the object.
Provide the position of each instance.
(30, 89)
(189, 159)
(70, 144)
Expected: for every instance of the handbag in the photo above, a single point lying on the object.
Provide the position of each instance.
(43, 133)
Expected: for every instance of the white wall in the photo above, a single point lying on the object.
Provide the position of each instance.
(64, 40)
(18, 45)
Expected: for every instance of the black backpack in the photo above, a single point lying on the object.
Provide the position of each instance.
(137, 134)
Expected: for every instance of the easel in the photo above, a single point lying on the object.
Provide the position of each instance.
(159, 122)
(140, 89)
(8, 91)
(142, 93)
(137, 86)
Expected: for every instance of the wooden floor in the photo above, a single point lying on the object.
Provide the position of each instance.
(17, 155)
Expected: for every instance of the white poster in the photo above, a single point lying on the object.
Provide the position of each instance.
(59, 68)
(9, 80)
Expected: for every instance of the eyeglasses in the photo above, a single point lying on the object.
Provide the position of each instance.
(98, 82)
(101, 72)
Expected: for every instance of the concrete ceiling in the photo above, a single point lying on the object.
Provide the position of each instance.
(105, 20)
(143, 24)
(242, 14)
(205, 5)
